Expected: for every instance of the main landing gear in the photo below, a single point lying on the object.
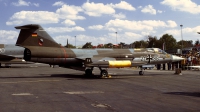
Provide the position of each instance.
(88, 72)
(103, 73)
(141, 72)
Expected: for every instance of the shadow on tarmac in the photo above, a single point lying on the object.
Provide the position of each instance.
(70, 76)
(194, 94)
(73, 76)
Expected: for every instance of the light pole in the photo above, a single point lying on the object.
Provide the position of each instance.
(75, 41)
(182, 39)
(116, 38)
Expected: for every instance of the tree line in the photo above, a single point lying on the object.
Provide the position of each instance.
(166, 42)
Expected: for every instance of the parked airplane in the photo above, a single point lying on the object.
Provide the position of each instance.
(196, 67)
(11, 54)
(40, 47)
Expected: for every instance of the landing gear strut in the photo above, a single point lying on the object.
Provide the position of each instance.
(141, 72)
(103, 73)
(88, 72)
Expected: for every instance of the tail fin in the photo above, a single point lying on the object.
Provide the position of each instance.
(34, 35)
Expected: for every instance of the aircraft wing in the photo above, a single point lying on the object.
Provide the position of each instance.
(109, 62)
(194, 66)
(95, 59)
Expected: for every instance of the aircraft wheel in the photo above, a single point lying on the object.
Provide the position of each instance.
(104, 73)
(141, 73)
(52, 66)
(88, 72)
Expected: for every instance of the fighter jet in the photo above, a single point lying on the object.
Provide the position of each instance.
(11, 54)
(40, 47)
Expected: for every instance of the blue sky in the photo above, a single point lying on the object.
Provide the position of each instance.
(97, 21)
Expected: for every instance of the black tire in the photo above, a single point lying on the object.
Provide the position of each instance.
(104, 73)
(141, 73)
(88, 72)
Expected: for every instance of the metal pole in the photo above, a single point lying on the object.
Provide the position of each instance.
(116, 38)
(75, 41)
(182, 39)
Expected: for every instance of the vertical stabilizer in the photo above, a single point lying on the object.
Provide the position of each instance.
(34, 35)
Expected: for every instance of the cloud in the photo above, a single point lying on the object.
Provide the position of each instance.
(8, 36)
(127, 37)
(70, 12)
(188, 33)
(159, 11)
(64, 29)
(82, 39)
(59, 3)
(36, 4)
(149, 25)
(69, 22)
(24, 17)
(171, 24)
(24, 3)
(66, 12)
(123, 5)
(131, 34)
(97, 9)
(182, 5)
(139, 7)
(96, 27)
(119, 16)
(149, 9)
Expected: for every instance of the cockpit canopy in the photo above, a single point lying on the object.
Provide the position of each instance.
(156, 50)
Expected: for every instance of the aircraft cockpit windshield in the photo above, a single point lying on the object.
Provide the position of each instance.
(157, 50)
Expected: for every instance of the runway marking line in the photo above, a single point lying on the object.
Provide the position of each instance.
(29, 81)
(131, 76)
(22, 94)
(83, 92)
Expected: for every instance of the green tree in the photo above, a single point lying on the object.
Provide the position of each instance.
(87, 45)
(109, 45)
(197, 42)
(186, 43)
(141, 44)
(168, 41)
(70, 46)
(152, 41)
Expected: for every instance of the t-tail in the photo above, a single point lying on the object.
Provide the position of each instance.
(34, 35)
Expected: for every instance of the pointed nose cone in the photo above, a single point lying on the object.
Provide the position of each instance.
(176, 58)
